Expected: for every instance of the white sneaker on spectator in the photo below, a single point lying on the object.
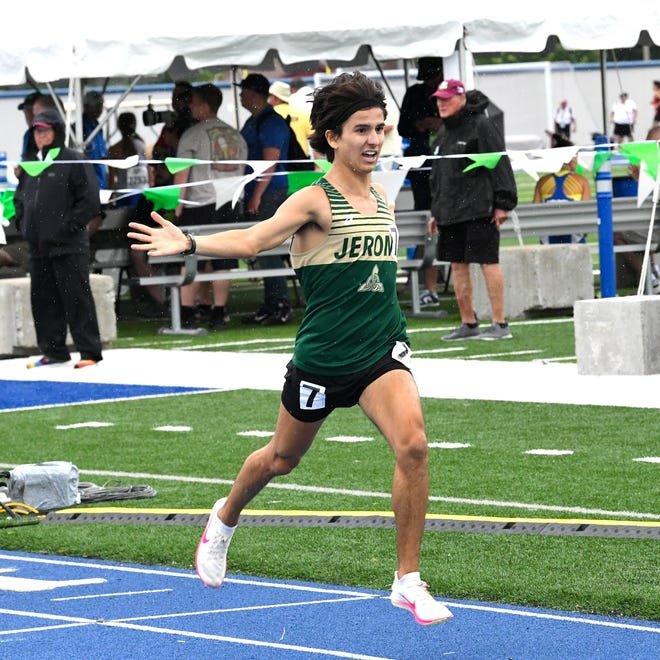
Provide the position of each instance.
(412, 594)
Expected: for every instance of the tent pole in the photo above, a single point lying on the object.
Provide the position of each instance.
(603, 87)
(382, 75)
(236, 99)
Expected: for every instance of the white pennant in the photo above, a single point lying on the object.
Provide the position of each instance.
(520, 161)
(645, 184)
(259, 166)
(391, 181)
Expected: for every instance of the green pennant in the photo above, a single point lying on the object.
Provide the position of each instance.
(299, 180)
(647, 152)
(7, 201)
(166, 197)
(36, 167)
(600, 158)
(175, 165)
(483, 160)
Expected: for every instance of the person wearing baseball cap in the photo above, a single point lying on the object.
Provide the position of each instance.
(468, 208)
(53, 209)
(255, 82)
(26, 105)
(267, 135)
(418, 122)
(279, 95)
(447, 89)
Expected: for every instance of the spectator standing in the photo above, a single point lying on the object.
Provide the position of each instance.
(302, 95)
(52, 213)
(469, 207)
(267, 137)
(96, 148)
(279, 96)
(418, 122)
(565, 119)
(27, 106)
(624, 116)
(209, 139)
(655, 102)
(351, 347)
(130, 144)
(168, 140)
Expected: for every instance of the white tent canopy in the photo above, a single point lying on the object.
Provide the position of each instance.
(77, 40)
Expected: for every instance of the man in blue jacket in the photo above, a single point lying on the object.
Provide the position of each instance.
(468, 208)
(52, 212)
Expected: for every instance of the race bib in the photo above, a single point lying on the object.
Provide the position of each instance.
(312, 396)
(403, 354)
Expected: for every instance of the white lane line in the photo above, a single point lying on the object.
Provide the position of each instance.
(248, 608)
(190, 576)
(555, 617)
(244, 642)
(178, 633)
(502, 354)
(112, 595)
(362, 493)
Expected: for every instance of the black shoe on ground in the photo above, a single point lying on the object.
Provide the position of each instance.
(258, 318)
(218, 320)
(282, 315)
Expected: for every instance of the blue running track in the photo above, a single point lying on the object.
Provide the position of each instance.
(55, 607)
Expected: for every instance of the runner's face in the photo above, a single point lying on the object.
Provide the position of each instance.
(361, 139)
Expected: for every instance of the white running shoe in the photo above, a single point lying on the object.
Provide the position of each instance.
(211, 555)
(419, 602)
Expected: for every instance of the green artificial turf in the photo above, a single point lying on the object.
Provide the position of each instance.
(611, 576)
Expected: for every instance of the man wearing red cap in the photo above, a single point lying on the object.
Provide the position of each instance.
(468, 208)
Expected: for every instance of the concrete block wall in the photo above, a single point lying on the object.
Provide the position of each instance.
(618, 336)
(538, 277)
(17, 334)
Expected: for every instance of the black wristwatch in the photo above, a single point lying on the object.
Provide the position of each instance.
(193, 244)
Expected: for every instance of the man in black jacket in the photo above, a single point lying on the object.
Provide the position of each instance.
(468, 207)
(52, 212)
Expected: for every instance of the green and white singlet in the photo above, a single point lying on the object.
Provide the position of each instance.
(352, 317)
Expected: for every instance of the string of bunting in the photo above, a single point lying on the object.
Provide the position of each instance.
(391, 173)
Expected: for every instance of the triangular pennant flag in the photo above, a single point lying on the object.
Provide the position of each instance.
(226, 187)
(258, 166)
(645, 185)
(601, 158)
(175, 165)
(166, 197)
(410, 162)
(391, 181)
(522, 162)
(36, 167)
(7, 201)
(586, 160)
(121, 164)
(483, 160)
(300, 180)
(551, 160)
(647, 152)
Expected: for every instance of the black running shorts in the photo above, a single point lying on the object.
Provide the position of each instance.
(310, 397)
(473, 242)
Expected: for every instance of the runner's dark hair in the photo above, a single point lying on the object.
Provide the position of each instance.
(337, 101)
